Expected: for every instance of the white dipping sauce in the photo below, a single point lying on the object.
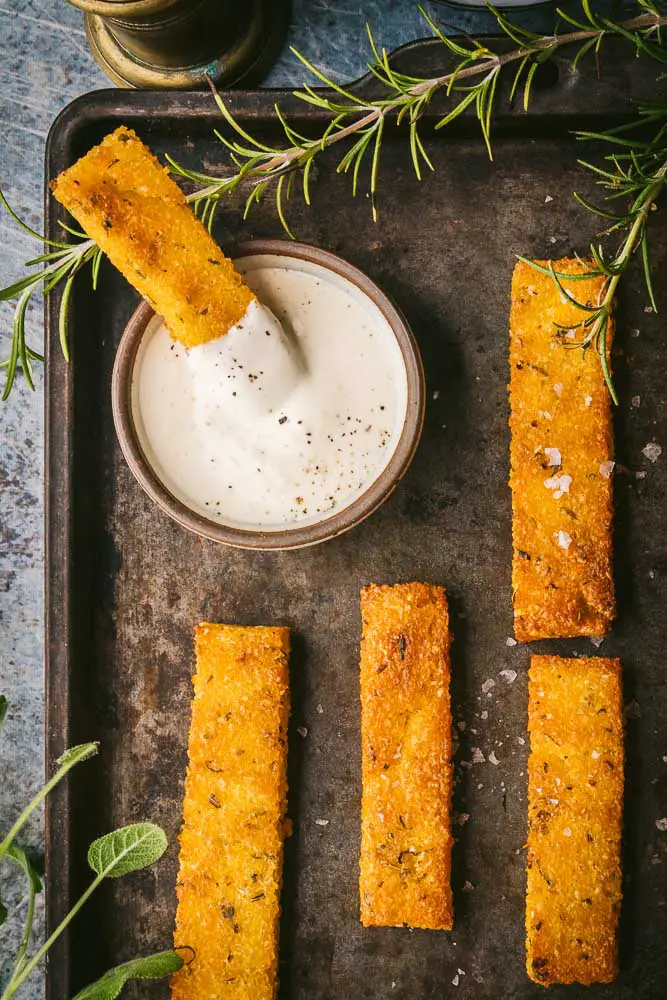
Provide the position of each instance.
(262, 429)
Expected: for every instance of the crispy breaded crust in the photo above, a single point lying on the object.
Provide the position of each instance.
(233, 816)
(406, 758)
(127, 202)
(575, 805)
(561, 498)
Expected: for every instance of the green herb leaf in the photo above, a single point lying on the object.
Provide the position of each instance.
(127, 850)
(4, 913)
(4, 705)
(20, 858)
(108, 987)
(77, 754)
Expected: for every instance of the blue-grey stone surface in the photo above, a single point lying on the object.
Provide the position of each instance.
(45, 63)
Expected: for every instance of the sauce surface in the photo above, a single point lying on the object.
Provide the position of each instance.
(286, 419)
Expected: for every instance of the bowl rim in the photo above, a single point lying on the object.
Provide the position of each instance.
(290, 537)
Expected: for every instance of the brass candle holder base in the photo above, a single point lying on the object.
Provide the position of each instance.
(179, 44)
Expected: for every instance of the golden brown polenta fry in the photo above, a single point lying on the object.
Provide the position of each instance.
(406, 755)
(127, 202)
(231, 842)
(575, 804)
(561, 468)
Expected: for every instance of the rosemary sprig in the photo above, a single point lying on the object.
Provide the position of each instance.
(473, 83)
(634, 173)
(59, 264)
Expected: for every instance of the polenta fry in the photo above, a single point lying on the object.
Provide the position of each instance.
(561, 462)
(405, 866)
(231, 843)
(575, 803)
(127, 202)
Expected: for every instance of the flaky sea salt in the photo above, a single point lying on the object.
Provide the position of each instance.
(548, 199)
(487, 685)
(636, 401)
(559, 484)
(553, 455)
(509, 641)
(509, 675)
(321, 822)
(567, 832)
(587, 401)
(564, 540)
(595, 754)
(302, 731)
(597, 640)
(477, 756)
(652, 451)
(606, 469)
(493, 759)
(558, 388)
(661, 824)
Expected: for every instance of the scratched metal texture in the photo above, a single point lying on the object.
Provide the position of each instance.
(125, 585)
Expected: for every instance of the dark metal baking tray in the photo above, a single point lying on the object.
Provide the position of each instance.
(125, 585)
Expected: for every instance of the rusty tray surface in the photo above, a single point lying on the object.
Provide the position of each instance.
(125, 585)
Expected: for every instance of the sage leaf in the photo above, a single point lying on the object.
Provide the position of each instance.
(20, 858)
(150, 967)
(74, 755)
(127, 850)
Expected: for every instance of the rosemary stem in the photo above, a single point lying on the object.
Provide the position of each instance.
(283, 162)
(630, 243)
(629, 246)
(279, 164)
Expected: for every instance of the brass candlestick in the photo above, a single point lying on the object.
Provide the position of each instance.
(179, 43)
